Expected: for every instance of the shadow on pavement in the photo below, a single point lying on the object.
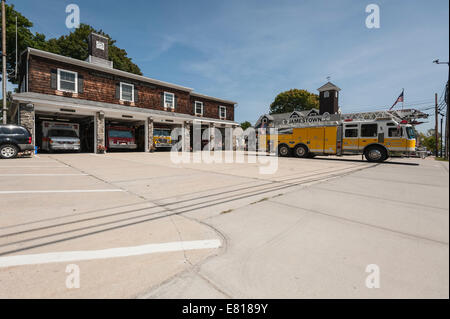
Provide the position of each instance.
(363, 160)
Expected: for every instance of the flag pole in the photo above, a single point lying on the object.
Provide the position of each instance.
(403, 100)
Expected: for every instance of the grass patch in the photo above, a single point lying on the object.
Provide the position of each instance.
(441, 159)
(226, 211)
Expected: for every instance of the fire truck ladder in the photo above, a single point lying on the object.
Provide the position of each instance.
(370, 116)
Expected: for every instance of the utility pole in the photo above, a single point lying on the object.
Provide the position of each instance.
(446, 120)
(442, 136)
(436, 125)
(446, 101)
(4, 75)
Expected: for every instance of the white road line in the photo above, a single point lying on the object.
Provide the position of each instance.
(44, 174)
(63, 191)
(67, 256)
(34, 166)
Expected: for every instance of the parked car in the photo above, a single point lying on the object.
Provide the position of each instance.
(13, 140)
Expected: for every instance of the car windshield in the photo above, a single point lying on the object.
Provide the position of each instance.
(119, 133)
(410, 132)
(62, 133)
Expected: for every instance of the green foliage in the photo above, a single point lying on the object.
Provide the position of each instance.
(25, 37)
(245, 125)
(429, 140)
(294, 100)
(74, 45)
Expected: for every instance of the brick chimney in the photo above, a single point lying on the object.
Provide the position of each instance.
(328, 98)
(98, 50)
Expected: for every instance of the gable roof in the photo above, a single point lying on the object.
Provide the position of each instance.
(278, 118)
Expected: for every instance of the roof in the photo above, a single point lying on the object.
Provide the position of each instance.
(277, 119)
(328, 87)
(212, 98)
(98, 67)
(31, 97)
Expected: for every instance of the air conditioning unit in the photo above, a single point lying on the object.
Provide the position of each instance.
(168, 105)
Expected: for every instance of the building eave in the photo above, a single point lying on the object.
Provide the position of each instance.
(195, 94)
(62, 101)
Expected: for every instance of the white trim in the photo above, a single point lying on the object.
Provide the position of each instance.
(58, 81)
(62, 191)
(44, 105)
(208, 97)
(173, 100)
(132, 91)
(146, 132)
(220, 112)
(195, 108)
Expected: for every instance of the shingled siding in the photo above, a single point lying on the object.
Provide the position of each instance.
(211, 108)
(101, 87)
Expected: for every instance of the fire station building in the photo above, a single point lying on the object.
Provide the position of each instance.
(94, 95)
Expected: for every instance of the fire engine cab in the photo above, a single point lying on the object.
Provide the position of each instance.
(120, 137)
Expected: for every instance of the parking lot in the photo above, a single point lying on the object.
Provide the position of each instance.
(222, 230)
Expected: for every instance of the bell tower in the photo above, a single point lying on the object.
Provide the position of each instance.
(328, 98)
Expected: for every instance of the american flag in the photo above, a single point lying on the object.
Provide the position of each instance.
(399, 99)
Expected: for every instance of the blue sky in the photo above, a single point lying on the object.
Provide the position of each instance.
(249, 51)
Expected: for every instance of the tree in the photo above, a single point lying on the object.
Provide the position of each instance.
(74, 45)
(294, 100)
(245, 125)
(428, 140)
(25, 38)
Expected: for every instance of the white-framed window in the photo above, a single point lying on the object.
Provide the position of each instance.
(67, 81)
(198, 108)
(169, 100)
(126, 92)
(222, 112)
(326, 94)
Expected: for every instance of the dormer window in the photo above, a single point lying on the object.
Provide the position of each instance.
(67, 81)
(126, 92)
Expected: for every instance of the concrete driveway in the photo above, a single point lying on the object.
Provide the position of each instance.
(308, 230)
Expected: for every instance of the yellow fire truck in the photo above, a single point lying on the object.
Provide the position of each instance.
(377, 139)
(162, 138)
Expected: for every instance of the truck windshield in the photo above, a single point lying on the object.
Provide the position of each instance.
(123, 134)
(62, 133)
(410, 132)
(161, 132)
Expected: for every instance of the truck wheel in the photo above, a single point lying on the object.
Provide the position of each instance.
(301, 151)
(283, 150)
(375, 154)
(8, 151)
